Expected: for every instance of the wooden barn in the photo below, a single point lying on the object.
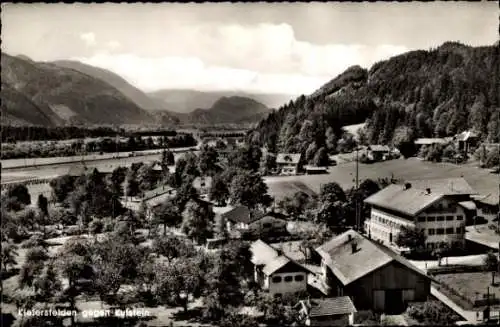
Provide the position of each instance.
(374, 277)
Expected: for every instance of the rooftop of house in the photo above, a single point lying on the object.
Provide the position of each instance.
(352, 256)
(242, 214)
(415, 196)
(291, 249)
(311, 167)
(466, 135)
(270, 258)
(329, 307)
(288, 158)
(199, 182)
(379, 148)
(428, 141)
(445, 186)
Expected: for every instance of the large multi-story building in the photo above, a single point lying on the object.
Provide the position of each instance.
(438, 207)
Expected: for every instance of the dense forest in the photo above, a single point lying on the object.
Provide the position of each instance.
(434, 93)
(41, 133)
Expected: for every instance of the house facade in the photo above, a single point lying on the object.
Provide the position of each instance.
(377, 152)
(275, 273)
(440, 212)
(374, 277)
(288, 163)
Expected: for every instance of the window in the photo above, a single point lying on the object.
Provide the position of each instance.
(299, 278)
(440, 206)
(460, 217)
(449, 230)
(460, 230)
(432, 231)
(440, 231)
(288, 279)
(440, 218)
(277, 279)
(431, 218)
(449, 218)
(421, 219)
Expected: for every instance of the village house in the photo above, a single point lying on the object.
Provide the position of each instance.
(149, 200)
(241, 218)
(337, 311)
(466, 140)
(377, 152)
(202, 184)
(438, 207)
(314, 170)
(275, 273)
(427, 142)
(374, 277)
(288, 163)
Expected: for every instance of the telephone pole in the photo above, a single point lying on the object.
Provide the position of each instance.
(356, 200)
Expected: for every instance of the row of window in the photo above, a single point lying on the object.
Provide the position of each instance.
(441, 206)
(437, 245)
(443, 231)
(438, 218)
(386, 221)
(288, 279)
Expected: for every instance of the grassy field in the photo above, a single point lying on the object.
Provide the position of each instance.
(471, 285)
(344, 174)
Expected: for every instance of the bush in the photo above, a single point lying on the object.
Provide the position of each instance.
(432, 313)
(96, 226)
(366, 318)
(33, 241)
(108, 225)
(73, 230)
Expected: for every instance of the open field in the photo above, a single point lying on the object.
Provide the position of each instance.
(63, 167)
(407, 169)
(26, 163)
(472, 285)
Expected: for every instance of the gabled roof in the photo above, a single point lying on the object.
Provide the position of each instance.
(379, 148)
(198, 181)
(415, 199)
(291, 158)
(271, 259)
(410, 201)
(239, 214)
(429, 141)
(445, 186)
(369, 257)
(464, 136)
(330, 306)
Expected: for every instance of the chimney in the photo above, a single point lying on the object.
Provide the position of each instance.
(354, 247)
(427, 191)
(407, 186)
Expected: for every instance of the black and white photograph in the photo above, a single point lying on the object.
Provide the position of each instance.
(250, 164)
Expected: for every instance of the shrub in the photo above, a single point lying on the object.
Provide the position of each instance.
(33, 241)
(73, 230)
(432, 313)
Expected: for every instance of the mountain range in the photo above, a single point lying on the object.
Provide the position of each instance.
(185, 101)
(425, 93)
(70, 92)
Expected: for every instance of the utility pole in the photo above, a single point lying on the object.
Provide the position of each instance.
(356, 204)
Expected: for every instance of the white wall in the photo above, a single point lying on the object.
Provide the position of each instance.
(287, 287)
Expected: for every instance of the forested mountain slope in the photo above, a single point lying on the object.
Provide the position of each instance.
(432, 93)
(46, 94)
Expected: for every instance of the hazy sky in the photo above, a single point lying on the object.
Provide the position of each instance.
(288, 48)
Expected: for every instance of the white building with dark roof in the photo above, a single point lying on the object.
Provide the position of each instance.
(276, 273)
(288, 163)
(438, 207)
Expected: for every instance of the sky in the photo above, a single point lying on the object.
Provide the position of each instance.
(290, 48)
